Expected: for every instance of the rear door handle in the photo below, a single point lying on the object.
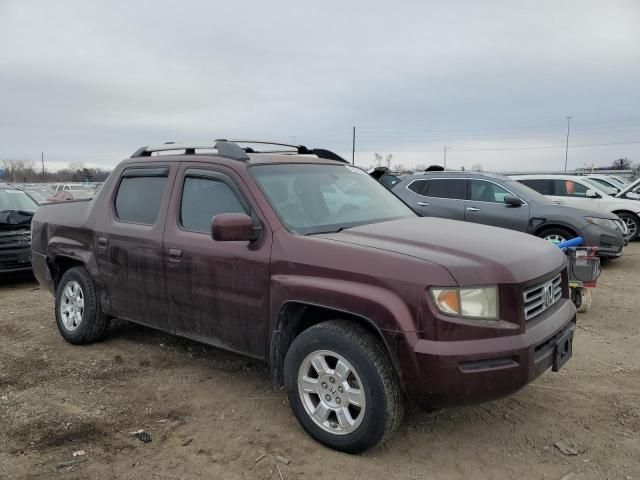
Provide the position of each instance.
(175, 254)
(103, 242)
(473, 209)
(423, 204)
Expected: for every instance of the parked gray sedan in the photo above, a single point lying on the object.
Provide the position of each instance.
(502, 202)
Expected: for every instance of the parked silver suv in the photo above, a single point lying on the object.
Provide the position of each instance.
(502, 202)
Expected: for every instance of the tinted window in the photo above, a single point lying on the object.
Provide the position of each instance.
(203, 199)
(447, 188)
(482, 191)
(540, 186)
(569, 188)
(138, 199)
(418, 186)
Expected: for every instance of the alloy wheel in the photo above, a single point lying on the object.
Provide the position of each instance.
(631, 226)
(555, 238)
(331, 392)
(72, 305)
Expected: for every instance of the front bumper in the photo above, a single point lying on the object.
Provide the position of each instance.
(15, 260)
(609, 242)
(474, 371)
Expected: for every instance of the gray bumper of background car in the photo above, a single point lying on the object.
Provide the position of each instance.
(609, 242)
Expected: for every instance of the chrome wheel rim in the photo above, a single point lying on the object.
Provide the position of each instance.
(555, 238)
(331, 392)
(631, 226)
(71, 306)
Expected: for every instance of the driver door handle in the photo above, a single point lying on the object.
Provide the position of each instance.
(423, 204)
(473, 209)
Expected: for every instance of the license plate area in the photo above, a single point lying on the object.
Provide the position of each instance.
(563, 350)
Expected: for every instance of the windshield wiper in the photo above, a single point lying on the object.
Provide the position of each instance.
(336, 230)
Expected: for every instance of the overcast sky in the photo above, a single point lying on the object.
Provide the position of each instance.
(494, 80)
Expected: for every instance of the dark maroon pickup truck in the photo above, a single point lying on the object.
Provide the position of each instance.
(301, 260)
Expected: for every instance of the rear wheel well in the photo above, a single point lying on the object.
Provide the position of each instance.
(59, 265)
(295, 318)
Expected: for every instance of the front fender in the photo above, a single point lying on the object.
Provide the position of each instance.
(380, 308)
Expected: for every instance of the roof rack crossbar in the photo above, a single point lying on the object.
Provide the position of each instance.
(231, 149)
(300, 149)
(224, 148)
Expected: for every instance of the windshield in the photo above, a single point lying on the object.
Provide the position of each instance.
(602, 185)
(16, 200)
(314, 198)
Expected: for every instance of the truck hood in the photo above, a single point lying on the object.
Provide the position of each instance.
(473, 254)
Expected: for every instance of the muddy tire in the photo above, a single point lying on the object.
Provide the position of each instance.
(79, 317)
(342, 387)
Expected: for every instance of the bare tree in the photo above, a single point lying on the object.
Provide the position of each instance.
(18, 170)
(398, 167)
(388, 159)
(75, 166)
(476, 167)
(621, 164)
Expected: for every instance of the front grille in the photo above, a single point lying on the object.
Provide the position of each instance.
(542, 296)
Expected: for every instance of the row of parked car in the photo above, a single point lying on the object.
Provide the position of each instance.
(18, 203)
(43, 193)
(553, 207)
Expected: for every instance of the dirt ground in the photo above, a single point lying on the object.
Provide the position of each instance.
(212, 414)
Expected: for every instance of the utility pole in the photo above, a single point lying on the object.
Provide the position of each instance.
(445, 157)
(353, 147)
(42, 158)
(566, 150)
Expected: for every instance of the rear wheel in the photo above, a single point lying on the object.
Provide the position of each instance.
(556, 235)
(342, 387)
(632, 222)
(79, 317)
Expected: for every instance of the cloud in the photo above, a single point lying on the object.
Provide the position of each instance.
(93, 81)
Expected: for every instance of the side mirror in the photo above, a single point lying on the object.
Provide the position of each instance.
(234, 227)
(512, 201)
(632, 196)
(591, 194)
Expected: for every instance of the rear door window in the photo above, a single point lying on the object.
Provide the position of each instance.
(140, 194)
(447, 188)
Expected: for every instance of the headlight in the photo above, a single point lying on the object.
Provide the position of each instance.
(603, 222)
(480, 302)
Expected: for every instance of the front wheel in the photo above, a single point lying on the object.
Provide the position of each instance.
(78, 314)
(342, 387)
(556, 235)
(633, 224)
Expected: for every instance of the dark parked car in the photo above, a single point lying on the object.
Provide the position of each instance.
(16, 212)
(501, 202)
(357, 307)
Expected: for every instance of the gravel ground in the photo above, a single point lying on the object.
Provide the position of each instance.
(212, 414)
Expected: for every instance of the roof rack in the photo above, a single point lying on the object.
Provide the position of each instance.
(299, 149)
(224, 148)
(231, 149)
